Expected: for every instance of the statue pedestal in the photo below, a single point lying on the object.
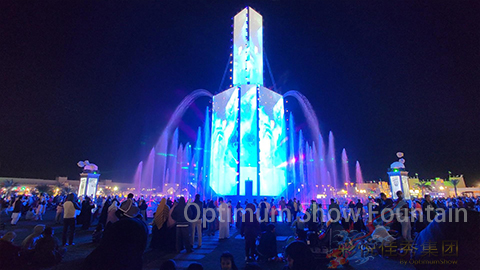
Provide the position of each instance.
(88, 184)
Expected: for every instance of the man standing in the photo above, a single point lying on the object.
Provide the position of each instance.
(334, 210)
(224, 230)
(180, 216)
(70, 208)
(359, 207)
(283, 204)
(126, 205)
(403, 218)
(197, 212)
(429, 210)
(17, 209)
(295, 208)
(386, 202)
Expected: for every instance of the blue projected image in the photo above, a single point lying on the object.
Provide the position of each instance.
(248, 48)
(273, 149)
(248, 137)
(224, 149)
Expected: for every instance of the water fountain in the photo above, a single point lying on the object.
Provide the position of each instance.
(247, 144)
(358, 174)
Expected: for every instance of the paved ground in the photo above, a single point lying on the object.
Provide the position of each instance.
(208, 255)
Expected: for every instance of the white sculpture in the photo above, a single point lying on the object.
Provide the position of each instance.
(87, 166)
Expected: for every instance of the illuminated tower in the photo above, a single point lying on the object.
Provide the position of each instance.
(248, 126)
(398, 176)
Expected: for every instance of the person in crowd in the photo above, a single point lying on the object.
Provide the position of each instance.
(197, 213)
(334, 210)
(112, 209)
(123, 242)
(282, 204)
(250, 230)
(403, 218)
(439, 235)
(129, 202)
(59, 213)
(9, 252)
(263, 213)
(255, 202)
(168, 265)
(268, 207)
(41, 207)
(104, 213)
(17, 210)
(159, 226)
(273, 213)
(295, 208)
(70, 208)
(227, 262)
(85, 217)
(47, 250)
(29, 242)
(171, 239)
(142, 205)
(312, 221)
(195, 266)
(375, 208)
(299, 256)
(238, 218)
(351, 208)
(224, 220)
(267, 246)
(182, 237)
(210, 215)
(429, 210)
(298, 225)
(97, 233)
(359, 208)
(290, 210)
(230, 210)
(386, 202)
(30, 213)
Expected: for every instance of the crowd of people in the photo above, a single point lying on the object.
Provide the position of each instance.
(121, 226)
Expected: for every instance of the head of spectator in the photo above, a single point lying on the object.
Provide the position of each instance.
(299, 256)
(9, 236)
(168, 265)
(227, 262)
(195, 266)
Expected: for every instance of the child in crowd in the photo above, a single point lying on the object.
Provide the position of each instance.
(227, 262)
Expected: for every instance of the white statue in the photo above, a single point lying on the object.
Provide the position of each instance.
(87, 166)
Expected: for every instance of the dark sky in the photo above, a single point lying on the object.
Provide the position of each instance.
(99, 81)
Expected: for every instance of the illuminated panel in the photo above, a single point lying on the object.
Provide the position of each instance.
(83, 186)
(247, 48)
(240, 43)
(406, 187)
(255, 60)
(224, 144)
(272, 143)
(92, 187)
(248, 137)
(396, 185)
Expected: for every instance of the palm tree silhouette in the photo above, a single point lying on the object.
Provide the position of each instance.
(424, 185)
(8, 185)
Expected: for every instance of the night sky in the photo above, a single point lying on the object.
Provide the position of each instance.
(99, 81)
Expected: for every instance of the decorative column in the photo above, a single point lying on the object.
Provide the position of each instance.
(88, 179)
